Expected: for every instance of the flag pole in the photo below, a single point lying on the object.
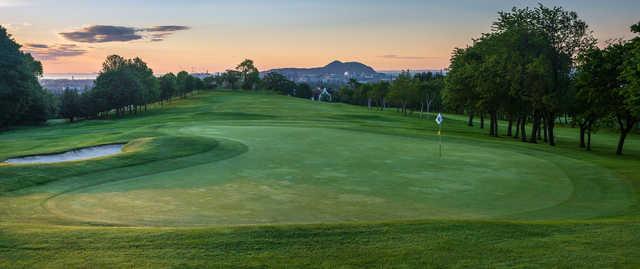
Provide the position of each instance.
(440, 136)
(439, 121)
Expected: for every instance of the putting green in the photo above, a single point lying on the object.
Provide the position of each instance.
(323, 175)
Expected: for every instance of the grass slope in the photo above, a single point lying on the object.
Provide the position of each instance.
(320, 185)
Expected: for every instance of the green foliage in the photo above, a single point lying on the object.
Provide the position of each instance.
(303, 90)
(404, 91)
(22, 100)
(168, 86)
(631, 75)
(249, 75)
(278, 83)
(70, 104)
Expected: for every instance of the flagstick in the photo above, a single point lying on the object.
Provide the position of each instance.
(440, 136)
(439, 122)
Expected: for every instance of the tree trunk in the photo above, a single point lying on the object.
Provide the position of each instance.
(534, 128)
(551, 121)
(623, 136)
(421, 109)
(495, 124)
(481, 120)
(491, 130)
(517, 135)
(544, 131)
(523, 130)
(582, 132)
(589, 139)
(510, 125)
(470, 122)
(624, 130)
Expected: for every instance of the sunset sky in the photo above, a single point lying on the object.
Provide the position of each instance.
(76, 36)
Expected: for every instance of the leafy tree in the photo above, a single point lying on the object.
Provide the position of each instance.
(567, 35)
(594, 81)
(231, 78)
(430, 88)
(278, 83)
(403, 91)
(249, 74)
(182, 83)
(303, 90)
(210, 82)
(460, 84)
(379, 92)
(118, 87)
(627, 105)
(168, 87)
(70, 106)
(22, 99)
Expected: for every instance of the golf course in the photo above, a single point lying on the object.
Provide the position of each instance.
(254, 179)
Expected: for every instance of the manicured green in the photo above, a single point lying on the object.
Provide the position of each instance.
(230, 179)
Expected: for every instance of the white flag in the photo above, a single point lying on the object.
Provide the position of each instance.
(439, 119)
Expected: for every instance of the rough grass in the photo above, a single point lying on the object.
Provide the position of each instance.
(313, 185)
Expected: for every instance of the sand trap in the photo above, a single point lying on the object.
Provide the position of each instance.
(73, 155)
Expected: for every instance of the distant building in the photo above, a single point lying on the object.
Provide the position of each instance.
(57, 86)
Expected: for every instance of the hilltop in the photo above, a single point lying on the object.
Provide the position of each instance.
(335, 71)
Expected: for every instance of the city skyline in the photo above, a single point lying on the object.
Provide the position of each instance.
(76, 36)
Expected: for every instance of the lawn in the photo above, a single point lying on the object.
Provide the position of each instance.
(231, 179)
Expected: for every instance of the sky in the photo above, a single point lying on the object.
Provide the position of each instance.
(197, 36)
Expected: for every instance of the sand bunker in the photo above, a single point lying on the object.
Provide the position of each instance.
(73, 155)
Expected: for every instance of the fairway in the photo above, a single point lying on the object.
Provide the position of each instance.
(200, 162)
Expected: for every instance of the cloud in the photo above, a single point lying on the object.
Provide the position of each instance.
(46, 52)
(102, 33)
(398, 57)
(38, 46)
(111, 33)
(167, 28)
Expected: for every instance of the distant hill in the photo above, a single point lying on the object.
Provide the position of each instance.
(334, 71)
(333, 68)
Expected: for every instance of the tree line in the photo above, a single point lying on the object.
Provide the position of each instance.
(537, 64)
(408, 93)
(125, 86)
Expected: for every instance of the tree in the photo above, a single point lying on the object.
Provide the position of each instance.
(303, 90)
(182, 83)
(249, 74)
(119, 88)
(168, 87)
(594, 82)
(231, 78)
(460, 84)
(429, 90)
(210, 82)
(403, 90)
(22, 99)
(149, 92)
(627, 105)
(567, 35)
(70, 106)
(379, 92)
(278, 83)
